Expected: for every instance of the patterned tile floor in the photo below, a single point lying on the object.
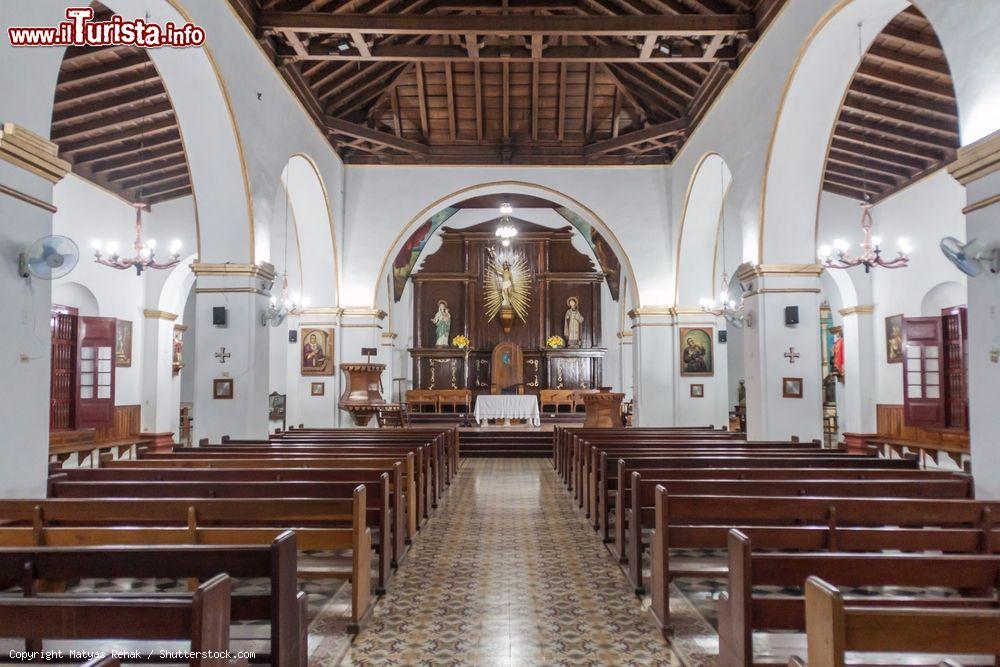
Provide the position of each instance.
(506, 573)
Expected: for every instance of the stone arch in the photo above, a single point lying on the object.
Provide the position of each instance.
(943, 295)
(177, 287)
(76, 295)
(700, 232)
(584, 213)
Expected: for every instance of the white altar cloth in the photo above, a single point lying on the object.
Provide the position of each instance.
(507, 406)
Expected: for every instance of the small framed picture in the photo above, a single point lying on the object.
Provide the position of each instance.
(222, 388)
(791, 387)
(894, 339)
(318, 389)
(697, 391)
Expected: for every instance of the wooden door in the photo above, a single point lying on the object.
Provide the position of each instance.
(62, 384)
(95, 385)
(923, 394)
(955, 365)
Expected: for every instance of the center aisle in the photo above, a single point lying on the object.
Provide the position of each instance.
(508, 573)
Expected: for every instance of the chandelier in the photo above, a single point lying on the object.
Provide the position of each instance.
(145, 251)
(725, 306)
(506, 230)
(837, 257)
(871, 251)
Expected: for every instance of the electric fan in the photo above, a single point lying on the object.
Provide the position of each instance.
(48, 258)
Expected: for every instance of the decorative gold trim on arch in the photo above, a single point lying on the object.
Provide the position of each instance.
(759, 270)
(626, 262)
(857, 310)
(150, 314)
(262, 271)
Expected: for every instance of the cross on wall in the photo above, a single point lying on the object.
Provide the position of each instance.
(222, 355)
(791, 355)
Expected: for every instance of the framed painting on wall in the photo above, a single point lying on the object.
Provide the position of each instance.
(697, 391)
(894, 339)
(123, 343)
(696, 354)
(318, 389)
(791, 387)
(317, 351)
(222, 388)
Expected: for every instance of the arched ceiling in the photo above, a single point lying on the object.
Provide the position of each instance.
(113, 120)
(899, 120)
(507, 81)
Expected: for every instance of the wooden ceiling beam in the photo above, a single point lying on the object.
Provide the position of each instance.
(666, 98)
(422, 102)
(932, 142)
(175, 160)
(907, 99)
(478, 87)
(843, 190)
(133, 148)
(129, 80)
(588, 102)
(371, 89)
(925, 66)
(76, 113)
(651, 133)
(857, 159)
(356, 131)
(145, 181)
(167, 196)
(505, 25)
(870, 188)
(97, 72)
(863, 175)
(449, 84)
(112, 138)
(896, 115)
(873, 154)
(162, 188)
(110, 121)
(505, 84)
(860, 137)
(906, 81)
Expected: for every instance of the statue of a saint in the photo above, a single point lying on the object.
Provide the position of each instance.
(572, 323)
(506, 284)
(442, 323)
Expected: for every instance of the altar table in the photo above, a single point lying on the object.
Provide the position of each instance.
(507, 406)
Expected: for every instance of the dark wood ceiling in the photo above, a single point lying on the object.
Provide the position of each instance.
(114, 122)
(899, 120)
(507, 81)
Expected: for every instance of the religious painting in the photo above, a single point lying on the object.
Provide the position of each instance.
(697, 391)
(827, 338)
(838, 352)
(222, 388)
(894, 339)
(123, 343)
(406, 258)
(696, 353)
(317, 389)
(791, 387)
(276, 406)
(177, 355)
(317, 351)
(610, 266)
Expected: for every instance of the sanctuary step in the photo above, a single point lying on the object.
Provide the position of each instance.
(461, 419)
(504, 443)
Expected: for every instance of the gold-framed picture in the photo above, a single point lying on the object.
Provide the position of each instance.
(697, 356)
(697, 391)
(317, 389)
(316, 351)
(123, 343)
(222, 388)
(791, 387)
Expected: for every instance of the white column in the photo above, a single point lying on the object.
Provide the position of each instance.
(359, 328)
(244, 291)
(625, 360)
(712, 407)
(654, 368)
(767, 340)
(978, 168)
(859, 368)
(161, 389)
(28, 170)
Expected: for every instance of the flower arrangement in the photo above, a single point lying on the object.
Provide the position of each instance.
(555, 342)
(461, 342)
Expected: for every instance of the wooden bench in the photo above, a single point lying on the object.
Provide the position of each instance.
(834, 628)
(419, 399)
(380, 513)
(553, 400)
(743, 612)
(319, 524)
(283, 606)
(805, 523)
(202, 620)
(450, 400)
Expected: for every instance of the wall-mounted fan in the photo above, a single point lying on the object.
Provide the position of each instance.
(48, 258)
(971, 257)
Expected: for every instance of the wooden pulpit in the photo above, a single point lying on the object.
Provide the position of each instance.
(507, 369)
(604, 409)
(362, 391)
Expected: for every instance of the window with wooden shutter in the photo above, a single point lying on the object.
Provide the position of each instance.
(95, 387)
(955, 364)
(923, 393)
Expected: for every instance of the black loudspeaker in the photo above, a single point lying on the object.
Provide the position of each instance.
(791, 315)
(293, 336)
(723, 335)
(369, 352)
(219, 316)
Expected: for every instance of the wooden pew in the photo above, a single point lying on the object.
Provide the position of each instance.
(636, 510)
(805, 523)
(380, 513)
(283, 606)
(835, 628)
(421, 471)
(202, 620)
(333, 524)
(742, 612)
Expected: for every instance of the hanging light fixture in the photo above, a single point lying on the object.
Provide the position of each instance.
(837, 257)
(145, 251)
(725, 306)
(287, 304)
(506, 230)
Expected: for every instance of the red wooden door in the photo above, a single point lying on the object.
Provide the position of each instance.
(62, 387)
(923, 396)
(95, 386)
(955, 364)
